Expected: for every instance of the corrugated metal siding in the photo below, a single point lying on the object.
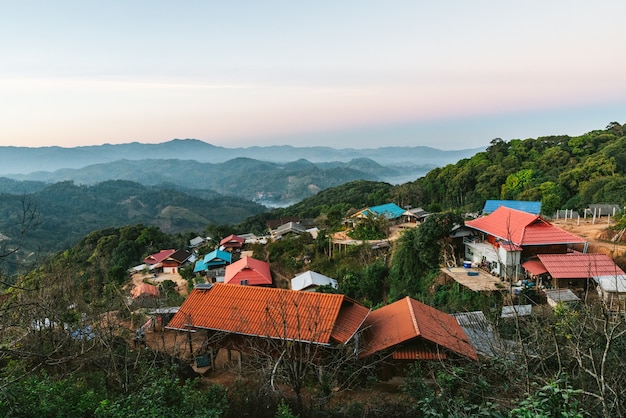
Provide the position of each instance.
(264, 312)
(414, 353)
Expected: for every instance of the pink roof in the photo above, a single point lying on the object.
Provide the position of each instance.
(158, 257)
(406, 320)
(256, 272)
(522, 228)
(579, 265)
(232, 239)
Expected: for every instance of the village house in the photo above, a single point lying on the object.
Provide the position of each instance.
(244, 318)
(415, 215)
(309, 281)
(155, 260)
(506, 237)
(287, 229)
(408, 330)
(571, 270)
(232, 242)
(197, 242)
(215, 259)
(172, 263)
(241, 318)
(248, 271)
(390, 211)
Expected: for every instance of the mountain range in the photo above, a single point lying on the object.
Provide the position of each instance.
(273, 176)
(23, 160)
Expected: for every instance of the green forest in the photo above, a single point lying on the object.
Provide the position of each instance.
(60, 355)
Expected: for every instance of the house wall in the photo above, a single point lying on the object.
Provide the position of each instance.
(510, 268)
(170, 267)
(530, 251)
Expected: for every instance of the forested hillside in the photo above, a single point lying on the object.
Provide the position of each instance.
(331, 204)
(243, 177)
(66, 212)
(560, 171)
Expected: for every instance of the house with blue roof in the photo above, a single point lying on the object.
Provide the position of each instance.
(390, 211)
(530, 207)
(214, 259)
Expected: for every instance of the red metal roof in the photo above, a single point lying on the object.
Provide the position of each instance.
(269, 312)
(256, 272)
(579, 265)
(232, 240)
(522, 228)
(158, 257)
(535, 267)
(408, 319)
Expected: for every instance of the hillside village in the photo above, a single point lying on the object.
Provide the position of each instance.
(237, 306)
(365, 300)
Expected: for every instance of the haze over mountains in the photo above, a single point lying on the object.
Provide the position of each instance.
(24, 160)
(274, 175)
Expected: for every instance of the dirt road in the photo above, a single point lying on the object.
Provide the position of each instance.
(597, 234)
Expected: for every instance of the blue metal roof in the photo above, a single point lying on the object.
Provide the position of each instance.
(389, 210)
(218, 257)
(530, 207)
(213, 259)
(200, 266)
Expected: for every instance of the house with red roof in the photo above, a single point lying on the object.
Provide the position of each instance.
(265, 312)
(175, 261)
(157, 258)
(571, 270)
(408, 330)
(264, 321)
(248, 271)
(507, 236)
(232, 242)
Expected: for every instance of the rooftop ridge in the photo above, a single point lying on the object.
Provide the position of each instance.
(413, 318)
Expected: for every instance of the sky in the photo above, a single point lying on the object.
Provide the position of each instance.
(345, 74)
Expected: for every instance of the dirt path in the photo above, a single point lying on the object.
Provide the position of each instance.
(597, 235)
(139, 278)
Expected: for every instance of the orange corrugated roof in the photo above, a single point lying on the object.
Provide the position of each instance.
(579, 265)
(522, 228)
(256, 272)
(271, 312)
(352, 316)
(408, 319)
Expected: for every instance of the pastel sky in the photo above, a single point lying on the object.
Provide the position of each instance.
(447, 74)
